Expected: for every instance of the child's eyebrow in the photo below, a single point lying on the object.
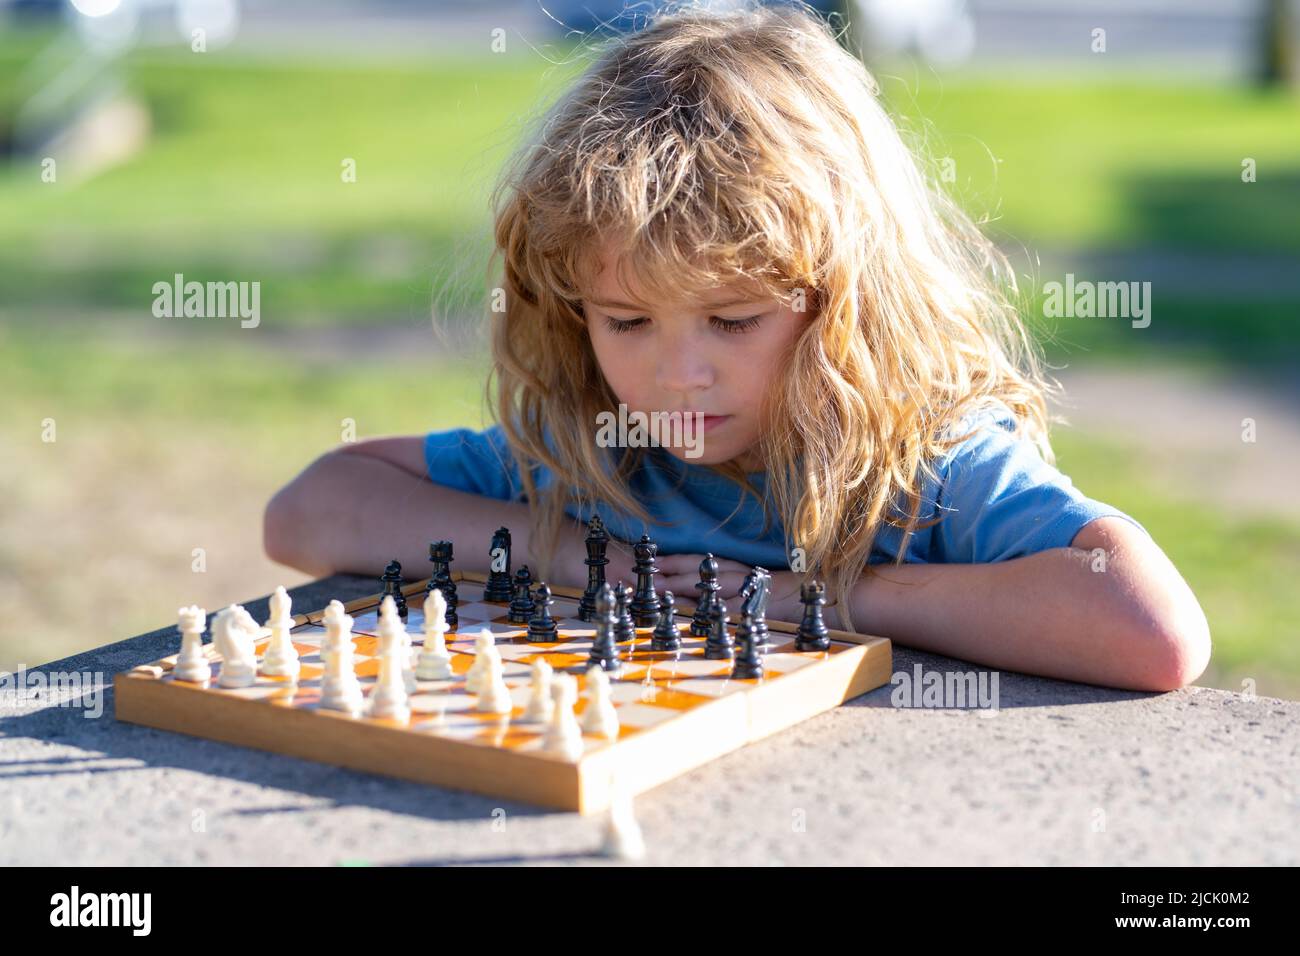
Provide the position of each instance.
(708, 305)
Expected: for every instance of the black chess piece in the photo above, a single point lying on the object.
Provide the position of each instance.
(499, 588)
(645, 603)
(522, 607)
(597, 544)
(813, 635)
(440, 554)
(667, 636)
(720, 646)
(391, 580)
(625, 628)
(604, 651)
(541, 627)
(702, 623)
(749, 662)
(754, 594)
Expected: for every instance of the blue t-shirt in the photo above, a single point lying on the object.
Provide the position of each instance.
(995, 499)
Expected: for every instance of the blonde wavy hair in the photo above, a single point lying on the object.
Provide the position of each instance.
(749, 145)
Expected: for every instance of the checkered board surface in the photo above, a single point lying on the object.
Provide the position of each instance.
(654, 690)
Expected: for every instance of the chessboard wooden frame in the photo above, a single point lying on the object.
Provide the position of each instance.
(630, 765)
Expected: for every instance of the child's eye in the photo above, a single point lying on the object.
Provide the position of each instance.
(735, 325)
(626, 325)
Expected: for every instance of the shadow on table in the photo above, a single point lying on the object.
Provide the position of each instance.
(113, 747)
(918, 677)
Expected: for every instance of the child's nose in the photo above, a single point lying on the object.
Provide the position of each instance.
(684, 370)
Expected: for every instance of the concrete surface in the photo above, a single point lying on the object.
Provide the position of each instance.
(1059, 774)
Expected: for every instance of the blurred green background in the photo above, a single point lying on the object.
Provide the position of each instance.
(171, 433)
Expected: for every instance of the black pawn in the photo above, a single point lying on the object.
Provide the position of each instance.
(541, 628)
(645, 603)
(604, 652)
(440, 555)
(597, 544)
(749, 663)
(667, 636)
(499, 583)
(721, 645)
(813, 635)
(625, 628)
(702, 622)
(522, 607)
(391, 580)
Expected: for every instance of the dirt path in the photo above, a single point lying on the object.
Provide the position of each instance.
(1194, 426)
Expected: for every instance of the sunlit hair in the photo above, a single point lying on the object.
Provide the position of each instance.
(710, 148)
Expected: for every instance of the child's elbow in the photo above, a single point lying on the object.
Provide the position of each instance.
(1175, 648)
(283, 528)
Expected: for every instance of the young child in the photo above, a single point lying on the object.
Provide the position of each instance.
(720, 218)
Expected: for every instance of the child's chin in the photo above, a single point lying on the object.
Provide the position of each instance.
(700, 455)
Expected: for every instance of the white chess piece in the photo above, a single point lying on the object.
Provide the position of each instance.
(485, 645)
(563, 736)
(623, 839)
(434, 662)
(192, 664)
(393, 635)
(494, 698)
(281, 659)
(235, 645)
(389, 698)
(340, 689)
(600, 718)
(245, 622)
(540, 704)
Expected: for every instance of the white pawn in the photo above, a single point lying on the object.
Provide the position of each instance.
(485, 646)
(563, 736)
(192, 664)
(340, 689)
(392, 635)
(389, 698)
(600, 719)
(235, 645)
(434, 662)
(623, 839)
(540, 704)
(494, 698)
(281, 659)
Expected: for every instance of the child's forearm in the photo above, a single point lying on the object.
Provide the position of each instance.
(354, 513)
(1054, 613)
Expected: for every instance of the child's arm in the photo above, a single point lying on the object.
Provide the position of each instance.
(363, 504)
(1135, 624)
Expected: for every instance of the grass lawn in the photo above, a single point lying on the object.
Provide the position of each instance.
(242, 177)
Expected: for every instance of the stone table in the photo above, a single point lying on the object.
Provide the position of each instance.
(1058, 773)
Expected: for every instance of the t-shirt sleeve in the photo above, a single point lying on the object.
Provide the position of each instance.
(998, 499)
(477, 462)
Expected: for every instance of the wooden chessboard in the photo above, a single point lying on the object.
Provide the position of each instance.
(676, 710)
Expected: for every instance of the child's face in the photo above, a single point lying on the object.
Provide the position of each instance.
(719, 356)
